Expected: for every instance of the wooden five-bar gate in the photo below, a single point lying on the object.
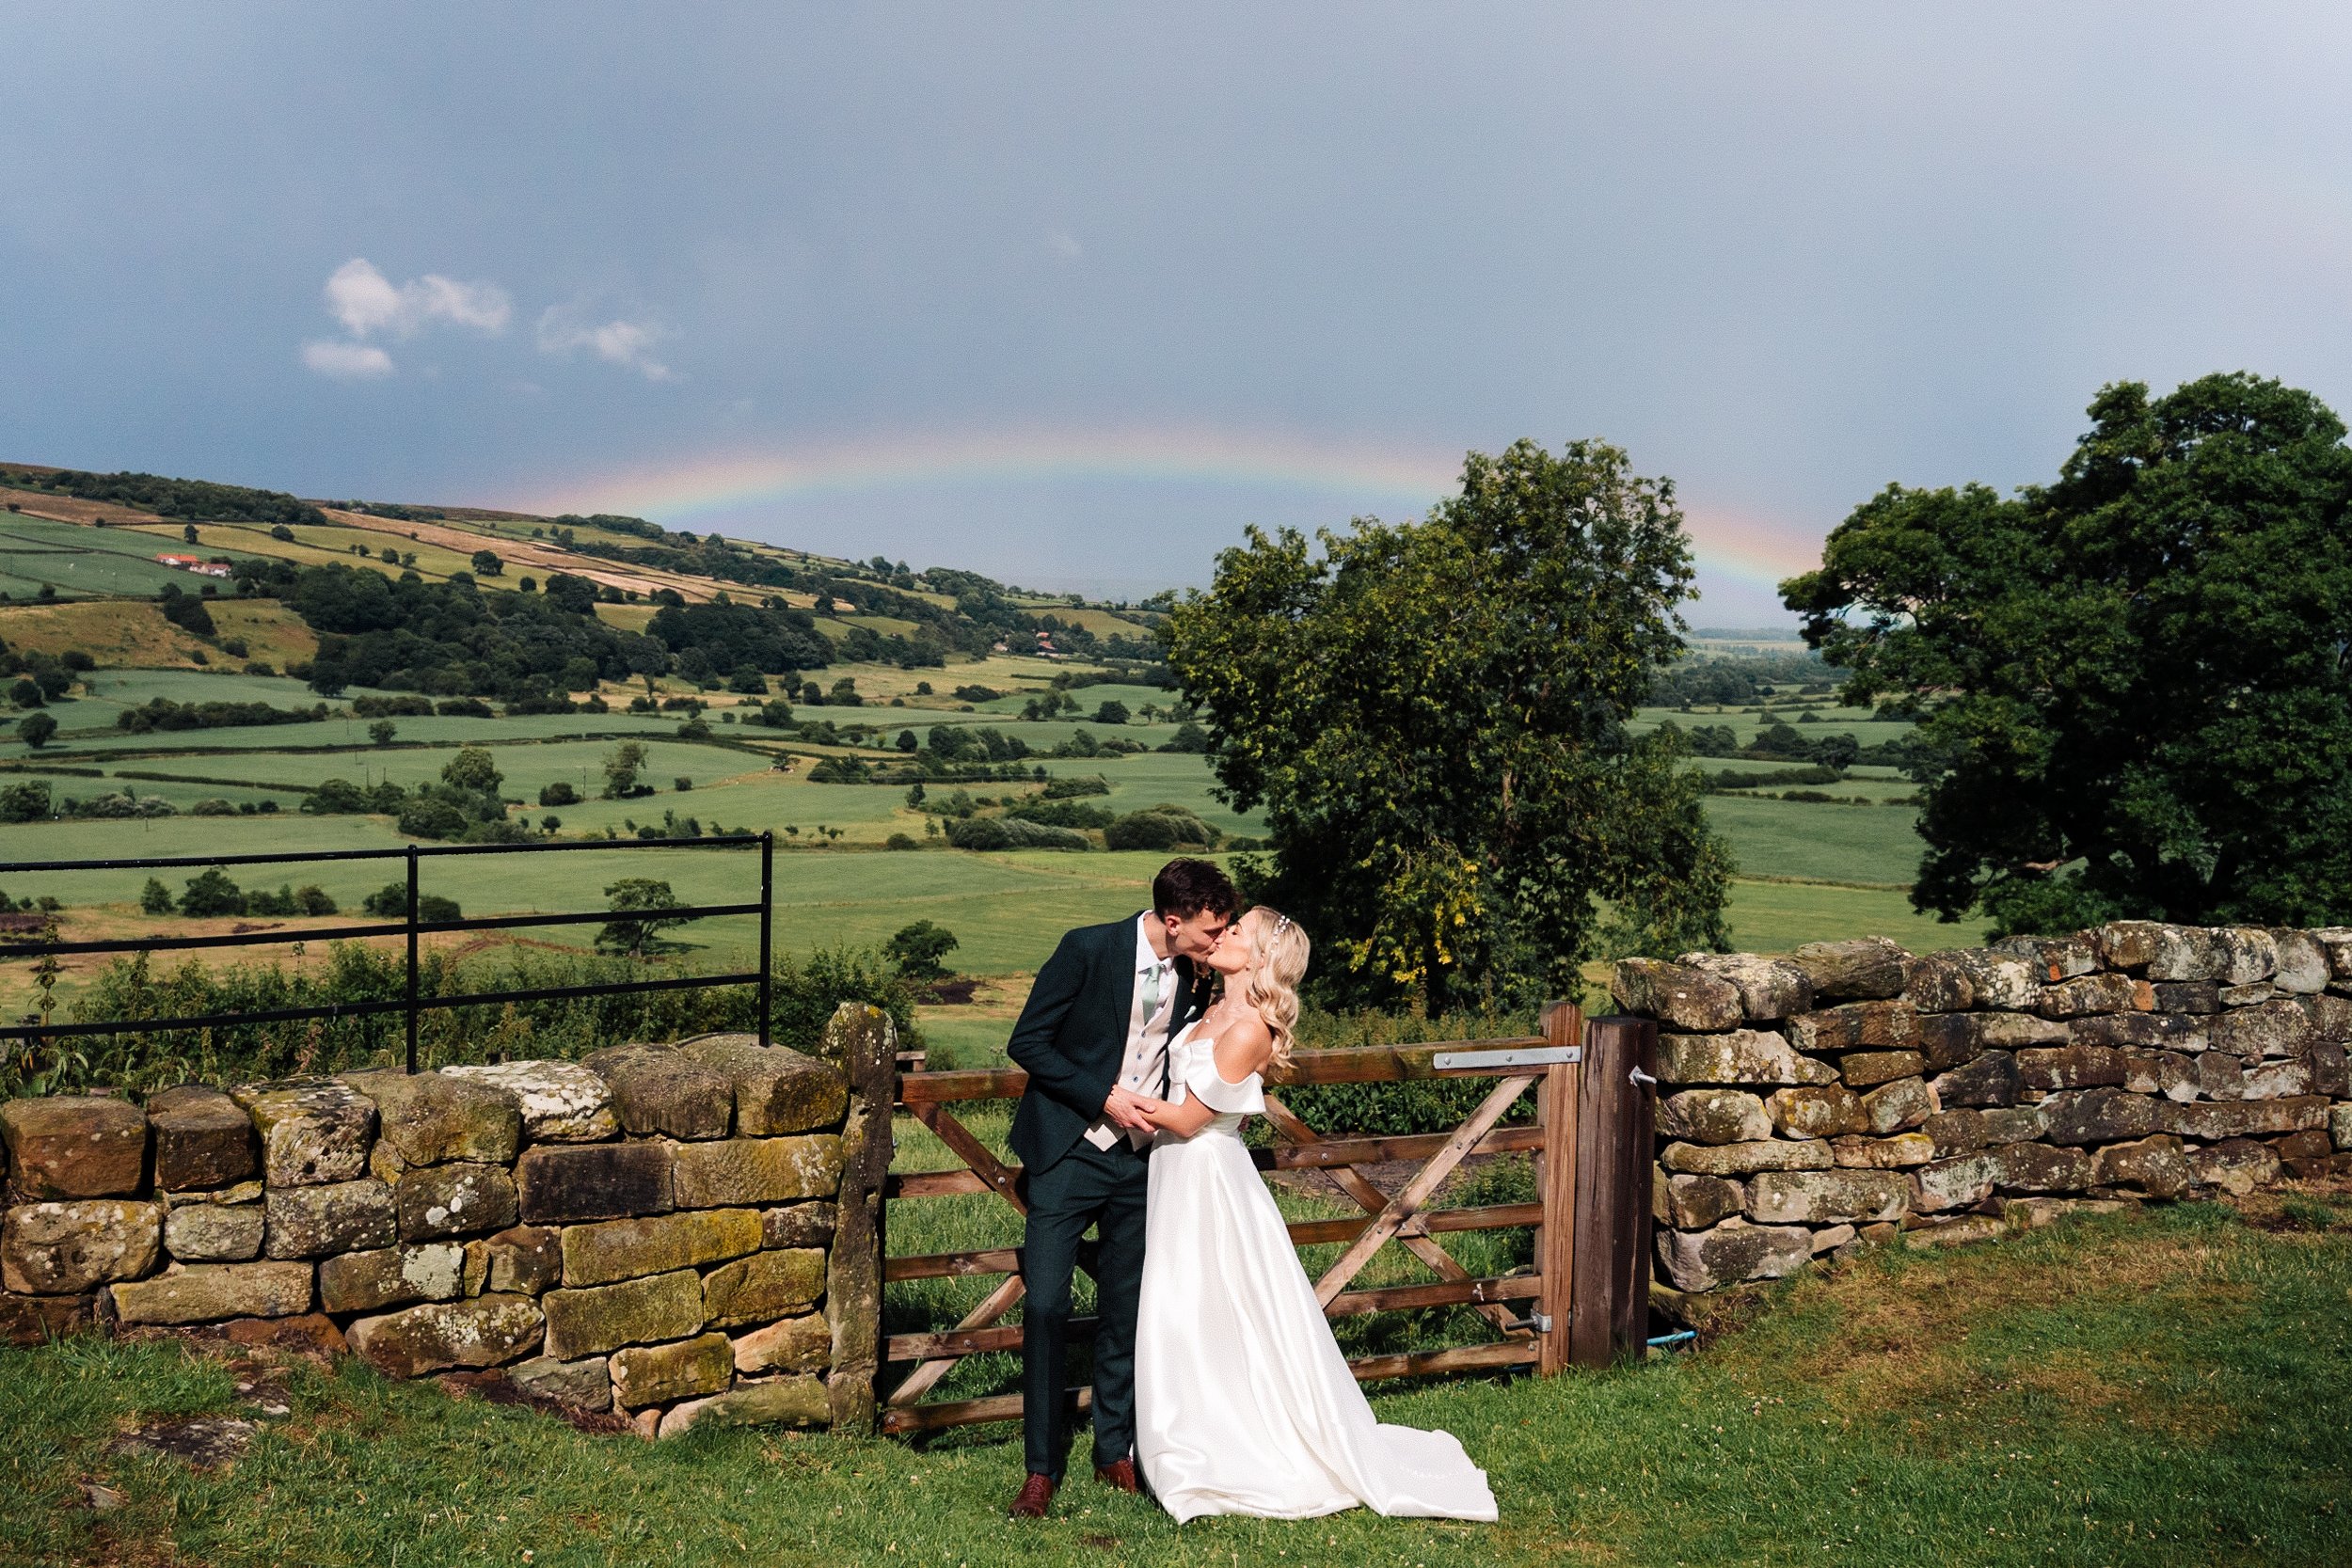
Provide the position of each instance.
(1584, 1301)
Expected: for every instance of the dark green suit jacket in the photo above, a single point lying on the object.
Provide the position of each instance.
(1073, 1036)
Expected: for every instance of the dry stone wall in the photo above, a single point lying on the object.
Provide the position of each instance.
(1853, 1094)
(658, 1230)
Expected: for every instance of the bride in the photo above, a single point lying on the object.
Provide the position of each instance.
(1243, 1404)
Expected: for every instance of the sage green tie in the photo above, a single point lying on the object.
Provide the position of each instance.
(1151, 993)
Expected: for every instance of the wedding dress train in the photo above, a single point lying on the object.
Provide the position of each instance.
(1244, 1402)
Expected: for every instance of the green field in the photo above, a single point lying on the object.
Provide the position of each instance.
(1871, 845)
(87, 563)
(2142, 1391)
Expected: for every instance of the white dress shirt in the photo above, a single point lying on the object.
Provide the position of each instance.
(1144, 1068)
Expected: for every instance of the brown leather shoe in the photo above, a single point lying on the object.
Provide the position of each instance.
(1037, 1495)
(1119, 1476)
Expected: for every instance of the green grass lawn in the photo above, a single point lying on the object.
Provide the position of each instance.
(1867, 844)
(2166, 1389)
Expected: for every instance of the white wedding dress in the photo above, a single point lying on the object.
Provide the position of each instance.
(1243, 1404)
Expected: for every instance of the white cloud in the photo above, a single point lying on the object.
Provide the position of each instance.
(365, 302)
(616, 341)
(347, 361)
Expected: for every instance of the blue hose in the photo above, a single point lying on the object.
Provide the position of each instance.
(1663, 1341)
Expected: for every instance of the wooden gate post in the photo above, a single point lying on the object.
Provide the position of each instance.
(1556, 1104)
(1609, 1305)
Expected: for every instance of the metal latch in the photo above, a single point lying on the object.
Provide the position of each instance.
(1540, 1322)
(1549, 1055)
(1637, 1076)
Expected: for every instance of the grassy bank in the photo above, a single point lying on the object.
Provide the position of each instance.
(2164, 1389)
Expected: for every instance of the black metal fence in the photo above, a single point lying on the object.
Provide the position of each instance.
(411, 1005)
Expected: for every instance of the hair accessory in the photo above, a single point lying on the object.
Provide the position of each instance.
(1281, 923)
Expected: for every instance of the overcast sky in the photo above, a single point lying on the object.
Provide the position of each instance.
(1070, 294)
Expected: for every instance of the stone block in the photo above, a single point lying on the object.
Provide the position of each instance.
(483, 1332)
(656, 1374)
(2219, 1076)
(1954, 1039)
(1989, 1080)
(523, 1259)
(2128, 943)
(429, 1117)
(214, 1233)
(2246, 996)
(789, 1401)
(2274, 1028)
(391, 1276)
(2340, 1125)
(72, 1246)
(1696, 1203)
(209, 1292)
(1827, 1197)
(2237, 1165)
(1739, 1056)
(2157, 1165)
(1678, 996)
(778, 1090)
(74, 1145)
(559, 1183)
(2255, 1118)
(27, 1321)
(2089, 994)
(655, 1089)
(314, 1131)
(2331, 1018)
(1833, 1238)
(2276, 1080)
(749, 1172)
(2185, 996)
(628, 1249)
(1939, 983)
(1855, 1026)
(1961, 1182)
(2102, 1115)
(313, 1221)
(1959, 1131)
(2041, 1169)
(1862, 969)
(1741, 1159)
(2139, 1032)
(2015, 1124)
(1769, 988)
(2302, 963)
(802, 1344)
(463, 1199)
(203, 1139)
(766, 1285)
(2001, 982)
(1898, 1106)
(1900, 1152)
(603, 1318)
(2165, 1072)
(2053, 960)
(2188, 952)
(1732, 1251)
(1960, 1230)
(2337, 940)
(560, 1102)
(798, 1224)
(1713, 1117)
(584, 1385)
(2252, 954)
(2304, 1154)
(1817, 1111)
(2331, 1070)
(1861, 1069)
(2069, 1067)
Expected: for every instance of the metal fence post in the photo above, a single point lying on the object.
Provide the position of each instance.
(412, 957)
(767, 922)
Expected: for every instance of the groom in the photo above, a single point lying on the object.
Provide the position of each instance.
(1093, 1039)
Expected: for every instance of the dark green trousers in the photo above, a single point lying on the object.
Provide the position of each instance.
(1087, 1186)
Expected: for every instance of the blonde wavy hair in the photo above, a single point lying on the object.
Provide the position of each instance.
(1283, 951)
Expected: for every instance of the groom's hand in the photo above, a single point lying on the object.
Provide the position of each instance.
(1125, 1108)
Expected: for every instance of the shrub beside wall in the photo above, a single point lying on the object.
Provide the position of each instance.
(677, 1234)
(1855, 1094)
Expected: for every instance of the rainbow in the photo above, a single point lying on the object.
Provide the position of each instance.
(1752, 550)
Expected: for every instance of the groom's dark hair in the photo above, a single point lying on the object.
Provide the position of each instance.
(1186, 887)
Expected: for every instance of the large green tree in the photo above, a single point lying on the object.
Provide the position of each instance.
(2133, 681)
(1433, 717)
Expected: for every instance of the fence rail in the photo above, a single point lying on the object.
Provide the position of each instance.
(411, 1004)
(1584, 1301)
